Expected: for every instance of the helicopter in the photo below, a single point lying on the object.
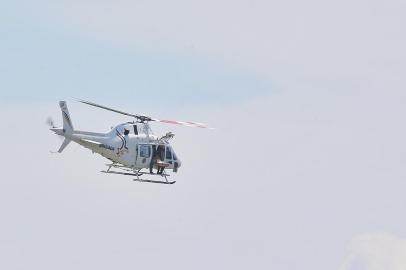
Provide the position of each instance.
(132, 147)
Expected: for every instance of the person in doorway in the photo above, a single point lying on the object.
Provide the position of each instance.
(153, 159)
(161, 158)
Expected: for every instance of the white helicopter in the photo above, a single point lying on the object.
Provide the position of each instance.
(132, 147)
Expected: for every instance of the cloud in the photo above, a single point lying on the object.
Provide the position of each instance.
(376, 251)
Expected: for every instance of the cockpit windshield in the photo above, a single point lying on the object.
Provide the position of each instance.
(168, 153)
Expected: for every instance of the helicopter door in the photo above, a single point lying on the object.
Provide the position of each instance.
(144, 156)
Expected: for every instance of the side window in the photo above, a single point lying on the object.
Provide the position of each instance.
(168, 153)
(145, 151)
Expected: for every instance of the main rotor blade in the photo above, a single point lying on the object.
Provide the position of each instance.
(144, 118)
(141, 117)
(182, 123)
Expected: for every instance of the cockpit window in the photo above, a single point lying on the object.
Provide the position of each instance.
(168, 153)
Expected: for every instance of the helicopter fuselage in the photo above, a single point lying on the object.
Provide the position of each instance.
(130, 144)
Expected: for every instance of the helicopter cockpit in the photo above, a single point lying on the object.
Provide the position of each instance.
(157, 155)
(151, 150)
(168, 156)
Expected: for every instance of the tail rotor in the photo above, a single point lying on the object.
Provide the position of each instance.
(50, 122)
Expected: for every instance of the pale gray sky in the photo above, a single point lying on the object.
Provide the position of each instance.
(309, 95)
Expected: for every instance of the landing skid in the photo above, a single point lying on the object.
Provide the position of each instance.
(155, 182)
(139, 173)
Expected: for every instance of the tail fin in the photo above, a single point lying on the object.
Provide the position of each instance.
(67, 123)
(64, 144)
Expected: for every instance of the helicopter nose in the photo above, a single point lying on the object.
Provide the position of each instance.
(177, 165)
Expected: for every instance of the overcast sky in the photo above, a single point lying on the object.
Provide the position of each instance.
(305, 169)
